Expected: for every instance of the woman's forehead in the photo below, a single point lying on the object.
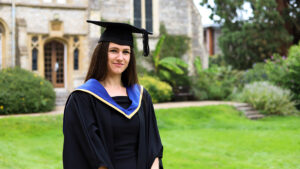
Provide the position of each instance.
(114, 45)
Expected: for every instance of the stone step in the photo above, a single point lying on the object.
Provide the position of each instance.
(61, 96)
(245, 108)
(248, 111)
(241, 105)
(255, 116)
(252, 112)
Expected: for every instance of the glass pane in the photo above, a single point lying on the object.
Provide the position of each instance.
(137, 13)
(149, 20)
(59, 63)
(48, 61)
(34, 59)
(76, 54)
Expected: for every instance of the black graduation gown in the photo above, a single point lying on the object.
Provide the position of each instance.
(88, 136)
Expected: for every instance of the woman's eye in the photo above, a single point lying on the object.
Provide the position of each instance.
(126, 52)
(113, 51)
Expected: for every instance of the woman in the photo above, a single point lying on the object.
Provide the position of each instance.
(109, 121)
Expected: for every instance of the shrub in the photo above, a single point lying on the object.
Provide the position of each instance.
(24, 92)
(257, 73)
(276, 69)
(268, 98)
(292, 79)
(159, 91)
(215, 83)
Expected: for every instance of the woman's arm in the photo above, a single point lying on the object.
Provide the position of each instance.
(155, 164)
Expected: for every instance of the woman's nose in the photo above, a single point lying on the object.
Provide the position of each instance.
(120, 55)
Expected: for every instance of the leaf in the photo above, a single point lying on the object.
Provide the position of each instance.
(158, 49)
(198, 65)
(175, 61)
(172, 67)
(165, 74)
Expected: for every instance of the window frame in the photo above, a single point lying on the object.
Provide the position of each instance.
(143, 15)
(34, 67)
(76, 59)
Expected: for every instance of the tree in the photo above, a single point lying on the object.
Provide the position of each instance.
(245, 42)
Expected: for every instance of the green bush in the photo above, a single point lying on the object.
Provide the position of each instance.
(159, 91)
(215, 83)
(292, 79)
(274, 70)
(268, 98)
(24, 92)
(257, 73)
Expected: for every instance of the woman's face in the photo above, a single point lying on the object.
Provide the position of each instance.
(118, 58)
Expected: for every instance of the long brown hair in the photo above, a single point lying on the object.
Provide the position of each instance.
(98, 66)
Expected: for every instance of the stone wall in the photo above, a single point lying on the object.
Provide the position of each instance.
(198, 47)
(38, 19)
(116, 10)
(175, 16)
(183, 18)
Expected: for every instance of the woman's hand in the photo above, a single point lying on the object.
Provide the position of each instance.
(155, 164)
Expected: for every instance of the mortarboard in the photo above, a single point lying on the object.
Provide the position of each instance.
(121, 33)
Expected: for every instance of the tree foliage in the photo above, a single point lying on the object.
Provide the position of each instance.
(247, 41)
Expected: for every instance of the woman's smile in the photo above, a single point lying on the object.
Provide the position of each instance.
(118, 64)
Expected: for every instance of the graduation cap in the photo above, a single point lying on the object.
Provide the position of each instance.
(121, 33)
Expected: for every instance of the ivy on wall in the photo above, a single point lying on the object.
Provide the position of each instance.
(174, 45)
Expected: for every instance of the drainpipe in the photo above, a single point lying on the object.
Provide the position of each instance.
(13, 39)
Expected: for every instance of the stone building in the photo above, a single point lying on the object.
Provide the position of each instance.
(53, 39)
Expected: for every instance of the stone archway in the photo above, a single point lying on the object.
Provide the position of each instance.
(54, 63)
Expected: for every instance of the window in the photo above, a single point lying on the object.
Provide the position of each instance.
(149, 21)
(143, 14)
(34, 52)
(76, 56)
(34, 58)
(76, 53)
(137, 13)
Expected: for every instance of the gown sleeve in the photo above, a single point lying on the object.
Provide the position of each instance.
(83, 147)
(154, 141)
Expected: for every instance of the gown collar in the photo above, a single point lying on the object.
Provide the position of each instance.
(95, 88)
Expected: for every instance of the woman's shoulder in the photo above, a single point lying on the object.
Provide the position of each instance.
(146, 95)
(78, 96)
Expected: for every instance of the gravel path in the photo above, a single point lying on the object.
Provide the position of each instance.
(60, 109)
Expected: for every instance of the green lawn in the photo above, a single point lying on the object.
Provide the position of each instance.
(210, 137)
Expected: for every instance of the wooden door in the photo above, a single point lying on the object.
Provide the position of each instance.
(54, 63)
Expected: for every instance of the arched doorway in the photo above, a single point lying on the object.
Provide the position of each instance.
(54, 63)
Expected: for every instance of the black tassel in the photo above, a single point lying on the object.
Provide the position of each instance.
(145, 44)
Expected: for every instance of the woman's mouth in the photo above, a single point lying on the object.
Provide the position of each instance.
(118, 64)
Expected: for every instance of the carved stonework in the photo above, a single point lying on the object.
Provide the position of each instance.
(56, 28)
(56, 25)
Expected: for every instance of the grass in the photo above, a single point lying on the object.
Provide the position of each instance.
(210, 137)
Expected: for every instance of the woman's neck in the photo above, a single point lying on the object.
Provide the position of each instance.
(114, 86)
(112, 81)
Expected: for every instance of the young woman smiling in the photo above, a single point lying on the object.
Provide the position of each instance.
(109, 121)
